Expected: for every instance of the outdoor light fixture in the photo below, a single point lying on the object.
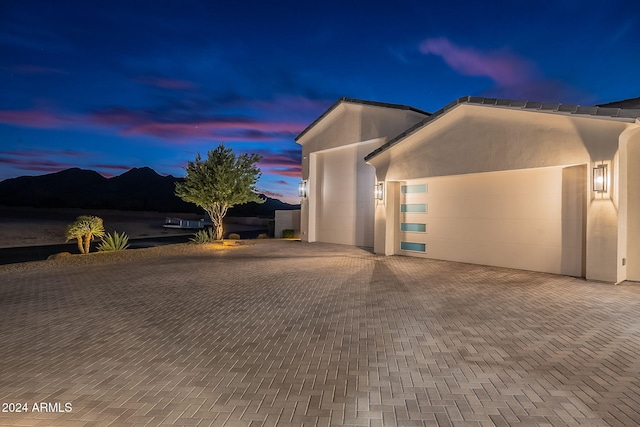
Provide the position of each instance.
(302, 189)
(379, 191)
(600, 179)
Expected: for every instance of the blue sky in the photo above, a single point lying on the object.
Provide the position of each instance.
(120, 84)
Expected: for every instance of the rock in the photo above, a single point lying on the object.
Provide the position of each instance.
(59, 255)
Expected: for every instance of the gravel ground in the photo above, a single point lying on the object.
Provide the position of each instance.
(130, 255)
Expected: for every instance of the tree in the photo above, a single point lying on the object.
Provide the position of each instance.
(84, 229)
(220, 182)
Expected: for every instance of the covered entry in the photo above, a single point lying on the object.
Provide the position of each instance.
(531, 219)
(342, 210)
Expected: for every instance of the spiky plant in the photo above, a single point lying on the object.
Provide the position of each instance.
(204, 236)
(84, 230)
(114, 242)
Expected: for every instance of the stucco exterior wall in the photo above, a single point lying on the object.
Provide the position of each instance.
(340, 207)
(472, 139)
(475, 139)
(343, 186)
(480, 139)
(629, 206)
(352, 123)
(287, 220)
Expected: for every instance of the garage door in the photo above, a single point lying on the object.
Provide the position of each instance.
(527, 219)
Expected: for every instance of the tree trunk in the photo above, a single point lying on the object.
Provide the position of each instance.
(219, 230)
(80, 246)
(217, 224)
(217, 214)
(87, 243)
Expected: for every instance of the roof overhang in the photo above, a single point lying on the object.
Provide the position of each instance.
(345, 100)
(617, 114)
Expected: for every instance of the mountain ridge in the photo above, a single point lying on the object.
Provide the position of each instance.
(138, 189)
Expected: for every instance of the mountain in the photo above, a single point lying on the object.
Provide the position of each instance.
(139, 189)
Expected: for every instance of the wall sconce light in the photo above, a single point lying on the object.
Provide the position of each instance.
(302, 189)
(379, 191)
(600, 179)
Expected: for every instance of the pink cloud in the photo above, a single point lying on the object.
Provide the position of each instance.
(503, 68)
(292, 172)
(114, 167)
(43, 153)
(287, 164)
(41, 119)
(216, 130)
(208, 128)
(271, 194)
(39, 160)
(168, 126)
(36, 164)
(278, 160)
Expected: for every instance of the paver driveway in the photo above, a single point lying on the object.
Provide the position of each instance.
(289, 333)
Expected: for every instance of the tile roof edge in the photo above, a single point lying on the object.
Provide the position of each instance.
(345, 99)
(588, 111)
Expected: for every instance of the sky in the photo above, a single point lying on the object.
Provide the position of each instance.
(114, 85)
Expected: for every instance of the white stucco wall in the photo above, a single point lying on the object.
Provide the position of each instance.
(287, 220)
(475, 139)
(349, 123)
(340, 205)
(343, 186)
(471, 139)
(478, 139)
(629, 206)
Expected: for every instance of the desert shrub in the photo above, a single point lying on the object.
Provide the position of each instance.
(233, 236)
(114, 242)
(84, 229)
(288, 233)
(263, 236)
(206, 235)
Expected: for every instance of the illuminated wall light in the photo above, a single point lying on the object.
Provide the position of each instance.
(379, 191)
(302, 189)
(600, 179)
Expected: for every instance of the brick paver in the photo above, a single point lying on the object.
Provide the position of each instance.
(286, 333)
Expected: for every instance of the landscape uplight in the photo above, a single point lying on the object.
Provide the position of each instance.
(600, 179)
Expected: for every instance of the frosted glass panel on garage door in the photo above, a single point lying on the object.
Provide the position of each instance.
(412, 232)
(528, 219)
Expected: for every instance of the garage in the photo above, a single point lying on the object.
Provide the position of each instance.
(517, 184)
(531, 219)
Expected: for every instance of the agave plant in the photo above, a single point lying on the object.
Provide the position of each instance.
(204, 236)
(84, 229)
(114, 242)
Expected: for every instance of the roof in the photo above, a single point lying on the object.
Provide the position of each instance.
(633, 103)
(362, 102)
(626, 114)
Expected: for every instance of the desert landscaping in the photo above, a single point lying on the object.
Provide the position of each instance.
(23, 226)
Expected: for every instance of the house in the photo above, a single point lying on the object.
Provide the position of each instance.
(527, 185)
